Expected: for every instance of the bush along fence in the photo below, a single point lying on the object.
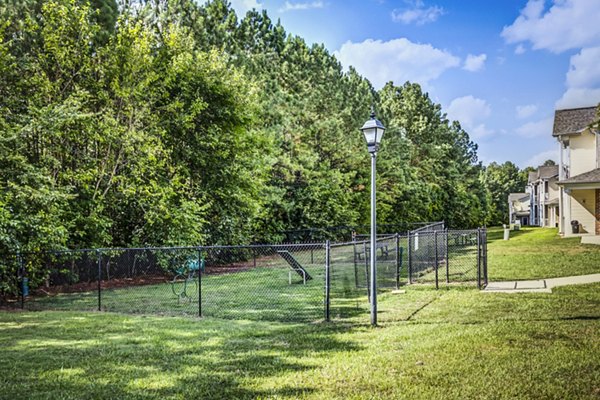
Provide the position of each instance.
(292, 282)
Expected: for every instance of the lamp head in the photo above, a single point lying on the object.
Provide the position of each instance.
(373, 131)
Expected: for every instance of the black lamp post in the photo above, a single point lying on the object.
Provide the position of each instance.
(373, 131)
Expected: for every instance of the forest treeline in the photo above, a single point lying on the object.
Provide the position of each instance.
(133, 123)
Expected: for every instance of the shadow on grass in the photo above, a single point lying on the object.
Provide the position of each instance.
(135, 357)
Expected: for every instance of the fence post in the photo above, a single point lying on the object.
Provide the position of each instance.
(478, 258)
(327, 280)
(447, 252)
(409, 259)
(200, 279)
(253, 256)
(435, 243)
(21, 278)
(355, 259)
(485, 257)
(398, 258)
(99, 255)
(366, 253)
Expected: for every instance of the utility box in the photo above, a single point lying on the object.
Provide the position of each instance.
(506, 232)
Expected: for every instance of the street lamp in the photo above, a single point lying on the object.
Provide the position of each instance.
(373, 131)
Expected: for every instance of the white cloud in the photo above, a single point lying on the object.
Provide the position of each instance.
(568, 24)
(301, 6)
(474, 63)
(575, 97)
(398, 60)
(470, 112)
(520, 49)
(241, 7)
(540, 158)
(583, 80)
(417, 13)
(536, 129)
(584, 69)
(526, 111)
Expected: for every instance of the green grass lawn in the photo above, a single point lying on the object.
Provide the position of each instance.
(257, 294)
(455, 343)
(534, 253)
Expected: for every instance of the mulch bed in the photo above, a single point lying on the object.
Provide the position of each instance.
(114, 283)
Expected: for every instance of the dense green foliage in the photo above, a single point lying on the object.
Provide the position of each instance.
(499, 180)
(168, 122)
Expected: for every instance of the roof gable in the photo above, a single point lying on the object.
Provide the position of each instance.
(518, 197)
(573, 121)
(548, 171)
(543, 172)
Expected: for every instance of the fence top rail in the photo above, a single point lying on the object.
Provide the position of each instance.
(309, 245)
(379, 238)
(428, 227)
(379, 235)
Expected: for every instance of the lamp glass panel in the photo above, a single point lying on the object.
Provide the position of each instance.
(370, 135)
(379, 135)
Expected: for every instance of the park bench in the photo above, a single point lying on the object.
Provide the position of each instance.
(294, 265)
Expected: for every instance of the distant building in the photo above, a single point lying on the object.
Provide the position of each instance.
(518, 208)
(579, 173)
(544, 193)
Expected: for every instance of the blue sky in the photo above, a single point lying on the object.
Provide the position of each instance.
(500, 67)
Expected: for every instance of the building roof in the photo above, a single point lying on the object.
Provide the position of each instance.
(543, 172)
(518, 196)
(592, 176)
(573, 121)
(548, 171)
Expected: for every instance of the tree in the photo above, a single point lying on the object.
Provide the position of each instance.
(500, 180)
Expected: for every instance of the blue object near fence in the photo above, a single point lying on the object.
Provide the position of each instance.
(25, 287)
(191, 266)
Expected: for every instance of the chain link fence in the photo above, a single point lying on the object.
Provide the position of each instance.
(290, 283)
(450, 257)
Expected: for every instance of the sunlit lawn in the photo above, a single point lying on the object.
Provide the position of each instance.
(534, 253)
(454, 343)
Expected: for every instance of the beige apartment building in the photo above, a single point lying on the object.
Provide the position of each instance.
(544, 192)
(578, 173)
(519, 208)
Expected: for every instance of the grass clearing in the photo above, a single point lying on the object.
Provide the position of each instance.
(463, 344)
(449, 344)
(537, 253)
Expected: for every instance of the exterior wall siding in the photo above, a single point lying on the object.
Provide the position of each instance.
(583, 153)
(554, 190)
(583, 208)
